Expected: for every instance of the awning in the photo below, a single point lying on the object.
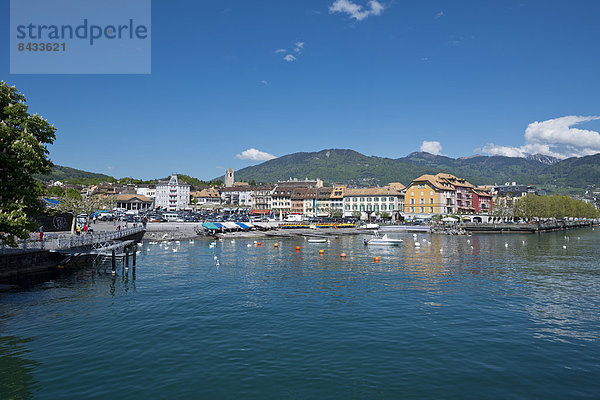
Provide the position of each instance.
(243, 226)
(210, 226)
(261, 212)
(230, 225)
(218, 225)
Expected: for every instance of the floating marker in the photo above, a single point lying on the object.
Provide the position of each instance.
(297, 248)
(343, 255)
(258, 244)
(376, 259)
(321, 252)
(417, 244)
(276, 245)
(564, 247)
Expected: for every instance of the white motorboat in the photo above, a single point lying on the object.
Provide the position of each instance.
(384, 240)
(368, 226)
(317, 240)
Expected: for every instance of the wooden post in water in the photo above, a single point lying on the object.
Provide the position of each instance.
(134, 254)
(114, 262)
(127, 257)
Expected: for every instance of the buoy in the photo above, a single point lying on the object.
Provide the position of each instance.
(258, 244)
(297, 248)
(249, 245)
(276, 245)
(505, 244)
(376, 259)
(343, 255)
(321, 251)
(417, 244)
(564, 247)
(215, 257)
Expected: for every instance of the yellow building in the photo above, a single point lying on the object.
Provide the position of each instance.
(429, 195)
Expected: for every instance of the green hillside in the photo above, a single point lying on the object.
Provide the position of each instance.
(348, 166)
(74, 176)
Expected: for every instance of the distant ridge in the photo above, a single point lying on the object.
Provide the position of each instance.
(351, 167)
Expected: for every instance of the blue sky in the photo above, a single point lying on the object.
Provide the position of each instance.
(474, 76)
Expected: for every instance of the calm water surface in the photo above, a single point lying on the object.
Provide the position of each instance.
(451, 319)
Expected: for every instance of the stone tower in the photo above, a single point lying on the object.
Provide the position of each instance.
(229, 179)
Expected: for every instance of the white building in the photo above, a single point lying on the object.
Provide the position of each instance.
(237, 195)
(371, 202)
(172, 195)
(149, 192)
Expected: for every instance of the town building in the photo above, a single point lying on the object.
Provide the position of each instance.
(172, 195)
(237, 195)
(428, 195)
(148, 191)
(482, 201)
(281, 195)
(206, 196)
(261, 199)
(337, 199)
(134, 202)
(370, 202)
(229, 178)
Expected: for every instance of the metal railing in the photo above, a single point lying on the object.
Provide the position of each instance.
(53, 241)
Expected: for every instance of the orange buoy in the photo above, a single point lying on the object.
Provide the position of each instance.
(258, 244)
(276, 245)
(343, 255)
(376, 259)
(297, 248)
(321, 251)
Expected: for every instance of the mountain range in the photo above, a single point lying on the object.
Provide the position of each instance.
(351, 167)
(348, 166)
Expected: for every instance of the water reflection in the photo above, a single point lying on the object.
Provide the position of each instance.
(16, 369)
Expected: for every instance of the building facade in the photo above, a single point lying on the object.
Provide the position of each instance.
(172, 195)
(372, 202)
(229, 178)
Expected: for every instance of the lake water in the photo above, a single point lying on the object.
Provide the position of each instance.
(499, 317)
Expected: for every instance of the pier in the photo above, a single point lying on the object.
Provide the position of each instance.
(57, 251)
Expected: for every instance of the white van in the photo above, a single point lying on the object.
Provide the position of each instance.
(170, 217)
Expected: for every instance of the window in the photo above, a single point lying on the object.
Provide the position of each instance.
(430, 209)
(354, 207)
(422, 193)
(430, 201)
(431, 193)
(421, 209)
(412, 209)
(383, 207)
(355, 199)
(362, 199)
(369, 199)
(412, 201)
(412, 193)
(421, 201)
(376, 199)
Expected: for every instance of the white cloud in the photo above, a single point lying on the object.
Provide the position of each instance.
(439, 15)
(356, 11)
(554, 137)
(255, 155)
(289, 58)
(300, 45)
(264, 82)
(431, 147)
(280, 51)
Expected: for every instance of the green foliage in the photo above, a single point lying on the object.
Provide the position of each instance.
(55, 191)
(74, 176)
(555, 206)
(385, 215)
(72, 193)
(337, 214)
(23, 153)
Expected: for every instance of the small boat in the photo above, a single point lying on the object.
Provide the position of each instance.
(384, 240)
(317, 240)
(368, 226)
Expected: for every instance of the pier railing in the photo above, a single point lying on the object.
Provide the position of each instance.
(53, 241)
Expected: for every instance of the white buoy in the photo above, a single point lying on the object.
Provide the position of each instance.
(564, 247)
(523, 243)
(468, 241)
(249, 245)
(505, 244)
(177, 241)
(441, 250)
(215, 258)
(417, 244)
(191, 241)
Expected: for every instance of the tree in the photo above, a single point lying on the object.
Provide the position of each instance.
(83, 205)
(23, 153)
(252, 182)
(338, 214)
(356, 215)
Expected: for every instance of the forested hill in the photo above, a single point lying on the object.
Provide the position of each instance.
(348, 166)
